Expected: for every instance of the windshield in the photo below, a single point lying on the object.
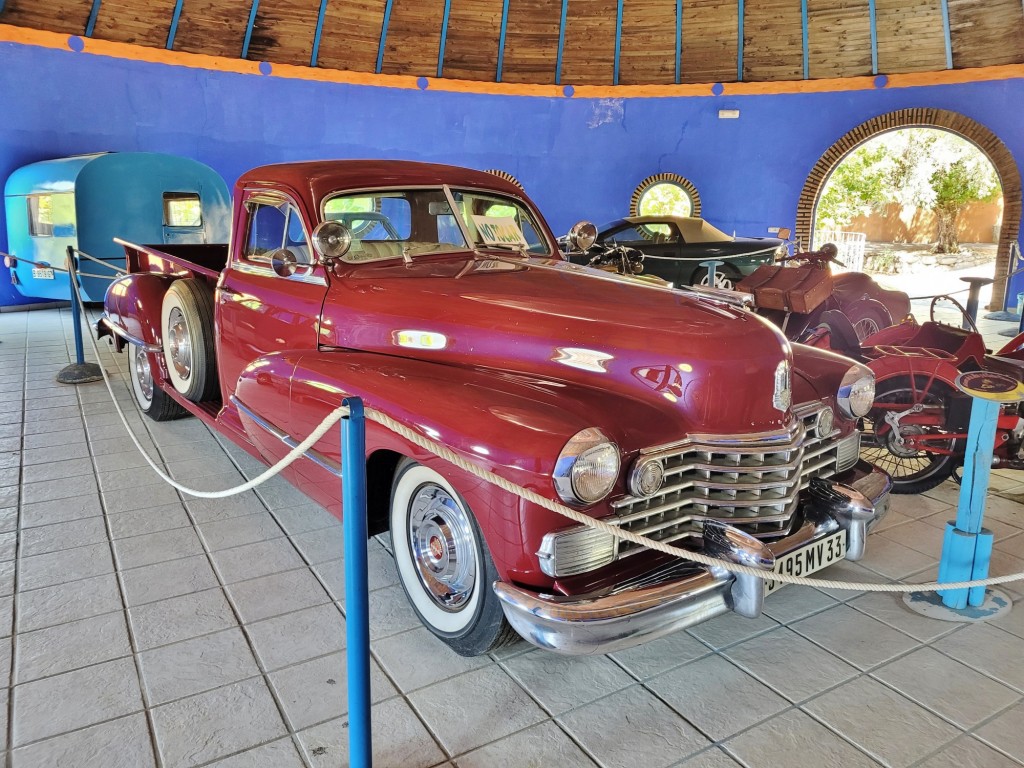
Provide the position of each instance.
(405, 223)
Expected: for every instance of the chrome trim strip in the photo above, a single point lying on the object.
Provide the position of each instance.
(721, 443)
(119, 331)
(315, 456)
(250, 268)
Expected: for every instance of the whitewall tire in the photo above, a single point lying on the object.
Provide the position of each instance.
(443, 563)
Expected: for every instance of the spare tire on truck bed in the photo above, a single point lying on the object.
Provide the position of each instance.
(186, 330)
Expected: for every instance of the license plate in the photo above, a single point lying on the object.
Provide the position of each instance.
(808, 559)
(42, 273)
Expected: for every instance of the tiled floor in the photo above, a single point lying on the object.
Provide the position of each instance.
(151, 630)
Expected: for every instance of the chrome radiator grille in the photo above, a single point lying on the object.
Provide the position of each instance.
(752, 483)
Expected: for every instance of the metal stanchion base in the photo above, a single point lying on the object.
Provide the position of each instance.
(997, 603)
(79, 373)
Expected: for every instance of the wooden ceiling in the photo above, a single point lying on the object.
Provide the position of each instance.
(584, 42)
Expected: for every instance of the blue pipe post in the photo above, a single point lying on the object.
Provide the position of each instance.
(76, 310)
(967, 546)
(357, 601)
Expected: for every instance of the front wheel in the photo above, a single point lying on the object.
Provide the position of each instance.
(443, 562)
(914, 469)
(152, 400)
(725, 278)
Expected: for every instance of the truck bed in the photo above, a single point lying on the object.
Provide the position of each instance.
(208, 260)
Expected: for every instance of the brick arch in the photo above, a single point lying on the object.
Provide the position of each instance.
(993, 147)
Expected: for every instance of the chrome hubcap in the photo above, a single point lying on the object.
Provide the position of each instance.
(442, 546)
(179, 343)
(143, 374)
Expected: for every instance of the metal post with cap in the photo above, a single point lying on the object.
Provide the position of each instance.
(357, 606)
(967, 546)
(78, 372)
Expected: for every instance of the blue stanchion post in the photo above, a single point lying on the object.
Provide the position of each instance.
(78, 372)
(357, 604)
(967, 546)
(711, 266)
(975, 284)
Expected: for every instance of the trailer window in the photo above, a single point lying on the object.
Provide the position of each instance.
(40, 215)
(182, 209)
(51, 215)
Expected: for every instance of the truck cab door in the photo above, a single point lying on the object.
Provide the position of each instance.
(269, 299)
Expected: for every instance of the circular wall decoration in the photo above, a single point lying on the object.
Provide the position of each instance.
(666, 194)
(506, 176)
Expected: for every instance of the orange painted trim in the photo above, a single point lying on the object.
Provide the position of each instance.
(60, 41)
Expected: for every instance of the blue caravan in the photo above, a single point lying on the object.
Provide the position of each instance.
(88, 200)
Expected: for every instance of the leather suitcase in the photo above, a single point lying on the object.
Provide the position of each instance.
(790, 289)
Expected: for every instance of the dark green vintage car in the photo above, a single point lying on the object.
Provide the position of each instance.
(674, 247)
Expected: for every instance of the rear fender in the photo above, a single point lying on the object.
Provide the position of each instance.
(890, 366)
(132, 306)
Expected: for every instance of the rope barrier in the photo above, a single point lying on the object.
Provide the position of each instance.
(579, 517)
(293, 455)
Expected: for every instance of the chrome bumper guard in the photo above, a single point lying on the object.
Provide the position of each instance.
(681, 597)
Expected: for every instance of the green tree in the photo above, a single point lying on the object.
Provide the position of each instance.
(856, 187)
(923, 167)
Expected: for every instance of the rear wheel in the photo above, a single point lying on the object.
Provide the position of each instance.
(443, 562)
(152, 400)
(867, 318)
(187, 332)
(725, 277)
(913, 469)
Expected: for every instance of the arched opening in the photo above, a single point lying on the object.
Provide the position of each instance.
(986, 141)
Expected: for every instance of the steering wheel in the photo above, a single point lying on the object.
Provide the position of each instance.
(955, 303)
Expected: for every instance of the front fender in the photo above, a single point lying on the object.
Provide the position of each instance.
(514, 426)
(132, 304)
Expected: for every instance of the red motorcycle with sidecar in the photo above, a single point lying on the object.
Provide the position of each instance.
(917, 429)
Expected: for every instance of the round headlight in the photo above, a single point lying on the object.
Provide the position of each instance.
(856, 392)
(646, 477)
(587, 468)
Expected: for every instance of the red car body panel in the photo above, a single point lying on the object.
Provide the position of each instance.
(536, 350)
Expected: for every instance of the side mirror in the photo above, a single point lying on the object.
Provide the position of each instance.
(582, 235)
(332, 239)
(283, 262)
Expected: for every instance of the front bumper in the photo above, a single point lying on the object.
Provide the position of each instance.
(684, 593)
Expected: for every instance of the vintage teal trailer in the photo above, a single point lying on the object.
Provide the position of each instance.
(87, 200)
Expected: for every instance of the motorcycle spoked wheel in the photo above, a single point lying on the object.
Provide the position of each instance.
(912, 471)
(867, 319)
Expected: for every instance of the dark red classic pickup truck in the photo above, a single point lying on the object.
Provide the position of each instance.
(437, 294)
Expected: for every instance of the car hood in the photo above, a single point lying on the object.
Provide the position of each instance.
(708, 367)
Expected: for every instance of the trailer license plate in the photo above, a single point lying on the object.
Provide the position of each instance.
(42, 273)
(808, 559)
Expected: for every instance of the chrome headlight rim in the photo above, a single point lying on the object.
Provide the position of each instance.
(856, 392)
(589, 442)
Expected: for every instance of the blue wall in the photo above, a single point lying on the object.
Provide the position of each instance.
(578, 158)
